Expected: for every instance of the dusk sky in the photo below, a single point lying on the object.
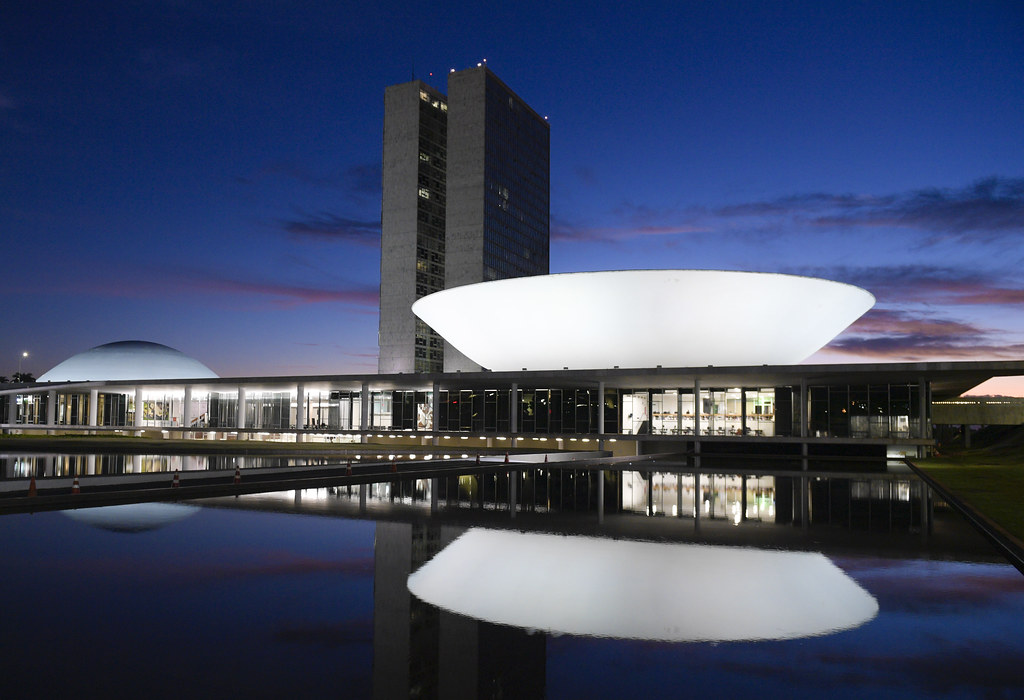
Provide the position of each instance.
(207, 175)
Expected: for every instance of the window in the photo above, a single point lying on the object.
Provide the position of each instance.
(425, 193)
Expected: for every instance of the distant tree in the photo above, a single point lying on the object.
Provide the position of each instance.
(22, 377)
(4, 380)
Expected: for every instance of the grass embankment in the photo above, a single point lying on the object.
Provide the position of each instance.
(991, 480)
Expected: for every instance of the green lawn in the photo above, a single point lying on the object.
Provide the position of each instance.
(992, 482)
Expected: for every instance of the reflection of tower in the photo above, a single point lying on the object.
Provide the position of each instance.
(421, 651)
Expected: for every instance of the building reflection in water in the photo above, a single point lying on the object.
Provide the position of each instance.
(422, 651)
(687, 592)
(879, 501)
(42, 466)
(133, 517)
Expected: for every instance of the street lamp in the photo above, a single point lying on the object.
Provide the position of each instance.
(23, 356)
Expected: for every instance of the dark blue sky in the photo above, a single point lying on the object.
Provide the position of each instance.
(207, 175)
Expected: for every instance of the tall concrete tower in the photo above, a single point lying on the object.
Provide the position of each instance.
(466, 199)
(412, 225)
(497, 223)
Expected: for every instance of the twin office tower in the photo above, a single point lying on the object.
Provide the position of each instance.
(465, 199)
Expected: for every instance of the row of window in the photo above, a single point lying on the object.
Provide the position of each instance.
(875, 411)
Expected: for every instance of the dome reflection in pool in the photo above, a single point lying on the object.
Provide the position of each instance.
(641, 590)
(133, 517)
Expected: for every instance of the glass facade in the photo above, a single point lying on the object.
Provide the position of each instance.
(871, 411)
(430, 222)
(515, 236)
(879, 411)
(721, 412)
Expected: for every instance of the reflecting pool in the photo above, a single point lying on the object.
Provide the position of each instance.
(308, 594)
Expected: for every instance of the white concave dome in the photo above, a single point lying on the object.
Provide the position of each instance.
(128, 359)
(643, 318)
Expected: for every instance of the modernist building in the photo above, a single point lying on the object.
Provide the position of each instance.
(866, 409)
(465, 199)
(497, 224)
(699, 382)
(413, 205)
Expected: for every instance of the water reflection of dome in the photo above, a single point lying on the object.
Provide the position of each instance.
(128, 359)
(643, 318)
(133, 517)
(641, 590)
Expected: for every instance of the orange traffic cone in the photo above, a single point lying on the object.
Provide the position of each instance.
(75, 488)
(32, 487)
(238, 476)
(478, 459)
(394, 466)
(506, 458)
(175, 483)
(349, 470)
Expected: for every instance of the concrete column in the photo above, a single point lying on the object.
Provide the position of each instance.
(967, 436)
(696, 407)
(300, 406)
(12, 409)
(138, 408)
(513, 495)
(600, 496)
(804, 502)
(743, 412)
(922, 393)
(928, 509)
(94, 406)
(186, 408)
(513, 412)
(803, 408)
(743, 497)
(433, 494)
(300, 412)
(698, 500)
(240, 413)
(51, 407)
(362, 497)
(679, 495)
(650, 493)
(364, 408)
(435, 412)
(679, 412)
